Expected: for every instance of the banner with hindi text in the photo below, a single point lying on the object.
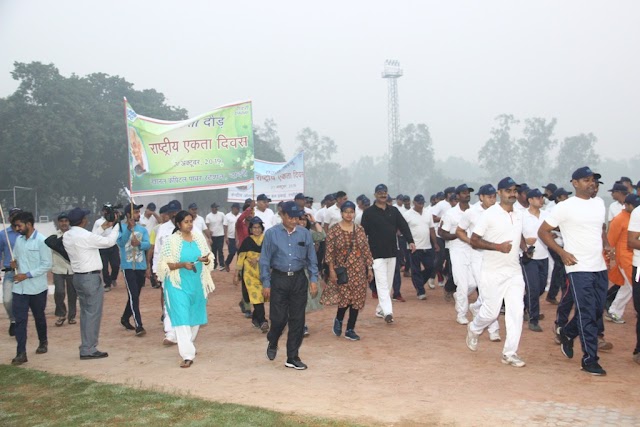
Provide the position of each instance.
(279, 181)
(212, 150)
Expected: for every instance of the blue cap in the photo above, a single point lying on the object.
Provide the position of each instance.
(255, 220)
(440, 195)
(406, 198)
(235, 205)
(561, 192)
(14, 211)
(151, 207)
(292, 210)
(551, 187)
(619, 187)
(449, 190)
(174, 206)
(380, 187)
(463, 187)
(486, 190)
(533, 193)
(360, 198)
(299, 196)
(329, 197)
(193, 206)
(523, 187)
(625, 179)
(347, 205)
(263, 197)
(632, 199)
(400, 196)
(507, 182)
(584, 172)
(164, 209)
(63, 215)
(77, 214)
(419, 199)
(366, 201)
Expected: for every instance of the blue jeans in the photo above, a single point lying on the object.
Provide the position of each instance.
(535, 278)
(589, 291)
(422, 258)
(21, 305)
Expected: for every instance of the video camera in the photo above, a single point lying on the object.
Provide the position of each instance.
(111, 212)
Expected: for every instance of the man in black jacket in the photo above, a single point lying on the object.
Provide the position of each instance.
(381, 222)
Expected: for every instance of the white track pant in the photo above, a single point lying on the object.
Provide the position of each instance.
(186, 336)
(463, 277)
(476, 269)
(507, 285)
(169, 330)
(384, 269)
(622, 297)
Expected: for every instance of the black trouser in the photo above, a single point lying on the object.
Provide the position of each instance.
(134, 279)
(232, 252)
(397, 280)
(558, 276)
(439, 259)
(353, 316)
(64, 286)
(287, 307)
(636, 305)
(450, 285)
(405, 254)
(258, 315)
(21, 305)
(110, 257)
(535, 278)
(421, 257)
(217, 244)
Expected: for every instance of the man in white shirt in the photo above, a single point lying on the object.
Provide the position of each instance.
(466, 226)
(150, 218)
(199, 223)
(230, 233)
(301, 201)
(333, 215)
(424, 235)
(263, 212)
(522, 203)
(459, 253)
(83, 250)
(535, 268)
(499, 234)
(365, 202)
(218, 228)
(581, 220)
(618, 193)
(633, 241)
(329, 200)
(549, 189)
(110, 256)
(438, 212)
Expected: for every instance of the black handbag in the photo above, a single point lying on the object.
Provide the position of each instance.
(341, 272)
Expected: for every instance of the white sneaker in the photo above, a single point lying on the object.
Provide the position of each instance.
(422, 297)
(513, 360)
(462, 320)
(431, 283)
(380, 314)
(612, 317)
(494, 336)
(472, 340)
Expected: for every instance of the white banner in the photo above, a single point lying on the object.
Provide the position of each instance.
(279, 181)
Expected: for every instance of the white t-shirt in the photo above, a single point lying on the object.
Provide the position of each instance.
(549, 204)
(530, 226)
(199, 224)
(420, 225)
(634, 225)
(518, 206)
(319, 216)
(496, 225)
(266, 217)
(614, 209)
(148, 223)
(402, 209)
(216, 222)
(332, 216)
(230, 222)
(470, 218)
(580, 223)
(438, 211)
(449, 223)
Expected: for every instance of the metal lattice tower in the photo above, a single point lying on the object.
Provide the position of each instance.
(392, 72)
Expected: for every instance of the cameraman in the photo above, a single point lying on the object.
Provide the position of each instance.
(109, 256)
(82, 248)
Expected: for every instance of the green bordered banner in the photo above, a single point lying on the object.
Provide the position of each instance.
(212, 150)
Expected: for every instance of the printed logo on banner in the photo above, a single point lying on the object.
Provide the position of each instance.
(131, 115)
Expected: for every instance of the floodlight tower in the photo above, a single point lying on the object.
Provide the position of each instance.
(392, 72)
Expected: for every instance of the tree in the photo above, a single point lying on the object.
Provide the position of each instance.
(534, 149)
(575, 151)
(267, 142)
(415, 159)
(69, 134)
(498, 154)
(322, 174)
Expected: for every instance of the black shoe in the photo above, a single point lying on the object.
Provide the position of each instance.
(12, 329)
(127, 325)
(566, 344)
(594, 369)
(295, 363)
(255, 323)
(19, 359)
(272, 350)
(140, 331)
(337, 327)
(107, 288)
(95, 355)
(388, 318)
(42, 348)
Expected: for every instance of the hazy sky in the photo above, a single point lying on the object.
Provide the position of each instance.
(319, 64)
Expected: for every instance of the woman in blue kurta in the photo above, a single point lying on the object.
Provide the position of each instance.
(185, 268)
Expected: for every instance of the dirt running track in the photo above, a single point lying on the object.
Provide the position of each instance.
(417, 371)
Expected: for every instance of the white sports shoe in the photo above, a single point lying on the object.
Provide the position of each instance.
(513, 360)
(462, 320)
(431, 284)
(380, 314)
(494, 336)
(422, 297)
(472, 340)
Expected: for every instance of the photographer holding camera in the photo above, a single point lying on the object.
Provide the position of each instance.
(83, 248)
(109, 256)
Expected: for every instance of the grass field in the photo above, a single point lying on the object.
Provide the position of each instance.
(34, 398)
